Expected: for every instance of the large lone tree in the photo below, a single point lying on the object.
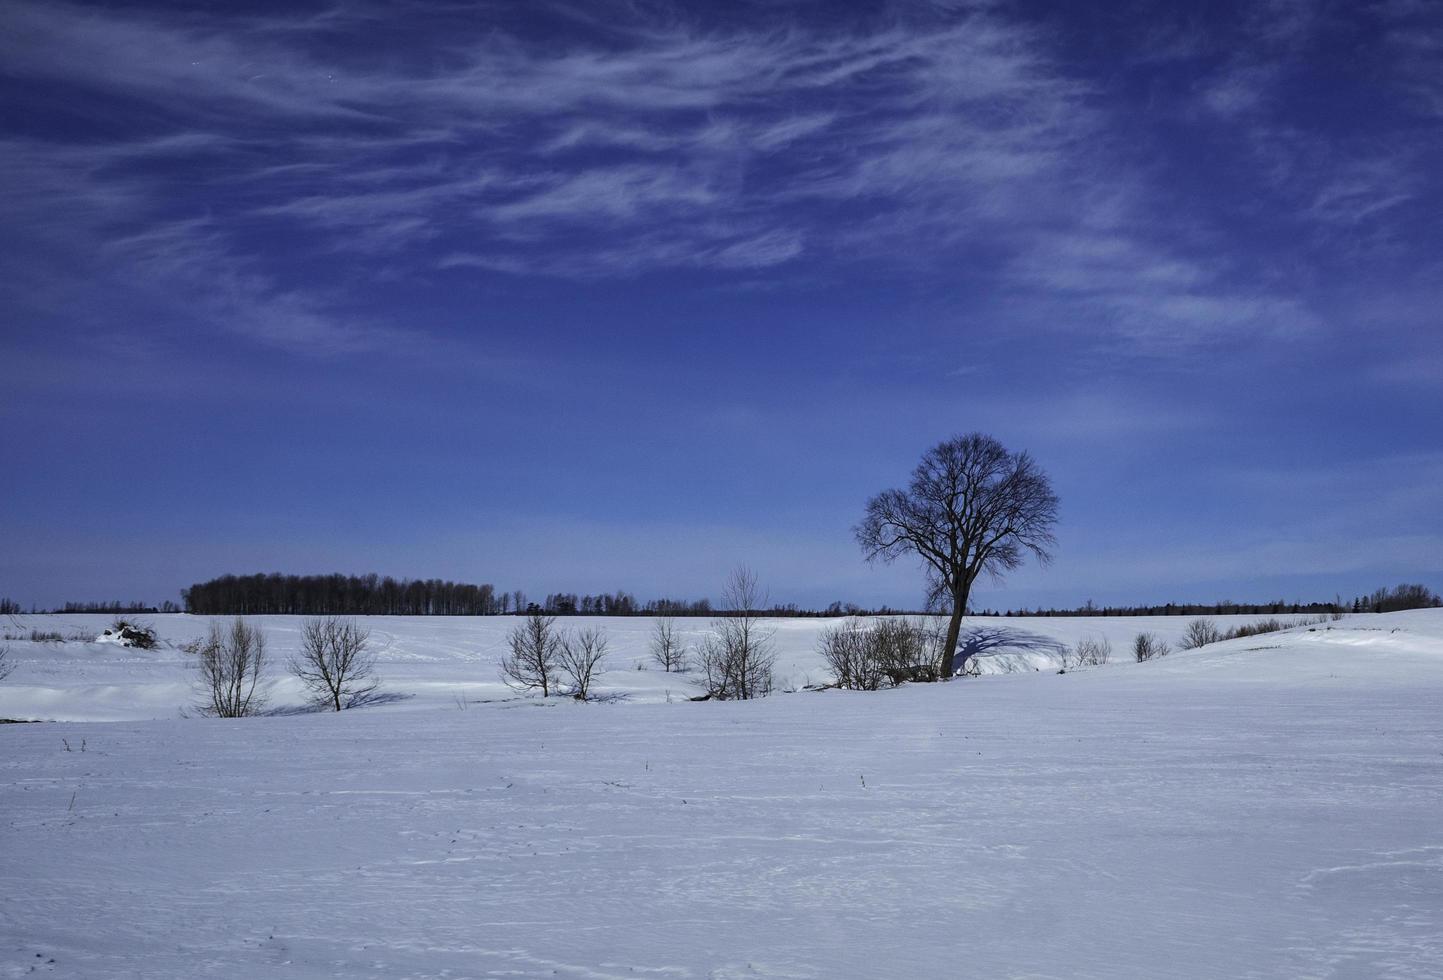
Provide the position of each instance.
(971, 507)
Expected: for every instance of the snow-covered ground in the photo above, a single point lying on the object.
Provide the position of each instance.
(1266, 807)
(438, 660)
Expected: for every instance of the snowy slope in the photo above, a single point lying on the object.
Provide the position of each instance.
(1262, 808)
(434, 661)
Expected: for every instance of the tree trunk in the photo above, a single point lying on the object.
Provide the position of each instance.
(954, 630)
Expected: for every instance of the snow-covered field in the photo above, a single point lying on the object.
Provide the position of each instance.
(1266, 807)
(431, 661)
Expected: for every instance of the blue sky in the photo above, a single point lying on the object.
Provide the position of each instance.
(584, 296)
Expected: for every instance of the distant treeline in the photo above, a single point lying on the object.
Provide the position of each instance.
(374, 595)
(340, 595)
(625, 604)
(1407, 596)
(1221, 608)
(9, 607)
(116, 606)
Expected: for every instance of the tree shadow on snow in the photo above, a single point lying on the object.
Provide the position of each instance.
(313, 708)
(981, 641)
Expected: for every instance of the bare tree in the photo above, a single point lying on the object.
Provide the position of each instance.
(1199, 633)
(535, 654)
(971, 507)
(1145, 646)
(1091, 652)
(335, 662)
(6, 665)
(581, 659)
(667, 647)
(738, 657)
(231, 662)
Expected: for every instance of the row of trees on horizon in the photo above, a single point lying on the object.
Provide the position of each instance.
(1396, 599)
(372, 595)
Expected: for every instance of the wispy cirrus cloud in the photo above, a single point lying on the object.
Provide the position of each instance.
(1325, 104)
(229, 293)
(634, 140)
(1362, 190)
(1414, 38)
(639, 148)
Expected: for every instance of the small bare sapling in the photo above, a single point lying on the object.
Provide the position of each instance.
(231, 662)
(335, 663)
(581, 659)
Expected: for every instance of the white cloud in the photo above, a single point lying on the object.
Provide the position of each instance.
(190, 263)
(1239, 90)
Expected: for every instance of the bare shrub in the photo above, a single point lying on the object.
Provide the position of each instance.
(1199, 633)
(1257, 628)
(737, 657)
(535, 655)
(908, 650)
(6, 664)
(667, 647)
(850, 654)
(335, 662)
(1146, 646)
(231, 662)
(1273, 625)
(580, 659)
(1094, 651)
(862, 657)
